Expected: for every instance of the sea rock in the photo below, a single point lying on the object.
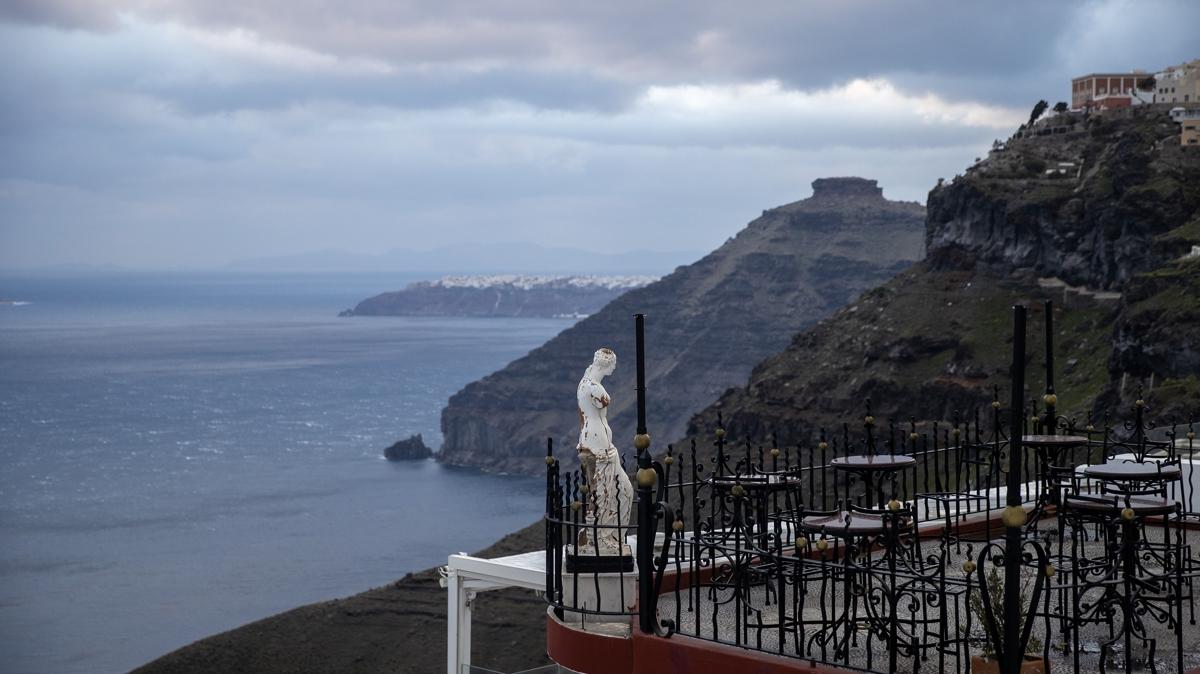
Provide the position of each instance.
(412, 449)
(707, 325)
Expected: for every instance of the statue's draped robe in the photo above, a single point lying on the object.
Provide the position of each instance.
(611, 493)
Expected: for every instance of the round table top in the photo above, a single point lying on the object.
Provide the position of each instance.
(848, 523)
(1054, 440)
(1133, 472)
(1140, 505)
(877, 462)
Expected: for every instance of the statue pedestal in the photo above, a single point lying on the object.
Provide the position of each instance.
(611, 592)
(585, 559)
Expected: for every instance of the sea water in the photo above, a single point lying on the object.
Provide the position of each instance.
(183, 453)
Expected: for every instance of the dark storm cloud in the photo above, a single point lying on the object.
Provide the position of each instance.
(70, 14)
(970, 49)
(168, 132)
(600, 55)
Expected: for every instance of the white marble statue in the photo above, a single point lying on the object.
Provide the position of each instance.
(611, 494)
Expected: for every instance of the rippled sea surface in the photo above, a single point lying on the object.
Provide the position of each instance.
(181, 454)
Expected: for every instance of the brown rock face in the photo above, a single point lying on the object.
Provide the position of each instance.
(707, 325)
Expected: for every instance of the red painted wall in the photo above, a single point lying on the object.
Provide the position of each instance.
(649, 654)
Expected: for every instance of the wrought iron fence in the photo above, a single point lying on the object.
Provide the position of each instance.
(906, 546)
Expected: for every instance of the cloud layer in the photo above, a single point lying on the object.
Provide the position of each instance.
(184, 132)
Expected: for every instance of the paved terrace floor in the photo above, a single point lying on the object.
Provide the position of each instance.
(870, 651)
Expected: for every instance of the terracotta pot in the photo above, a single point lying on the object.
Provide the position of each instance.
(1033, 664)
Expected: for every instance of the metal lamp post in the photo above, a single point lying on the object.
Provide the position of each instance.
(646, 480)
(1007, 634)
(1050, 427)
(1014, 514)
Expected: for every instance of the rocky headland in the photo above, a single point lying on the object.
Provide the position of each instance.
(708, 324)
(501, 295)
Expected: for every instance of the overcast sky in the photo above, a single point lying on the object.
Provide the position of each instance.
(174, 133)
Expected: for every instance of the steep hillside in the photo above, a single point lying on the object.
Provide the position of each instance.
(708, 324)
(1090, 200)
(1097, 213)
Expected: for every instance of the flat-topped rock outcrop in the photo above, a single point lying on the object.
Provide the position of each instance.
(708, 324)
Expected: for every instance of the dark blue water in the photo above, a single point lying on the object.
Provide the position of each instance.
(182, 454)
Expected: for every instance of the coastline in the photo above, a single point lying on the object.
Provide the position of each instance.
(254, 484)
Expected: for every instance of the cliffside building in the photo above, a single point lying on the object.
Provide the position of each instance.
(1189, 125)
(1106, 90)
(1178, 84)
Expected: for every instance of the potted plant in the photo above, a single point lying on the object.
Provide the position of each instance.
(986, 662)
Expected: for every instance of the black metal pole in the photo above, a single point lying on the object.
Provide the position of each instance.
(647, 606)
(640, 330)
(1014, 516)
(1050, 398)
(1049, 346)
(646, 480)
(552, 532)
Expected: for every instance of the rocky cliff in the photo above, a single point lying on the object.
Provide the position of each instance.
(708, 324)
(501, 295)
(1097, 213)
(1085, 202)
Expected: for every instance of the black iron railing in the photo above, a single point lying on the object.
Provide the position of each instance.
(905, 546)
